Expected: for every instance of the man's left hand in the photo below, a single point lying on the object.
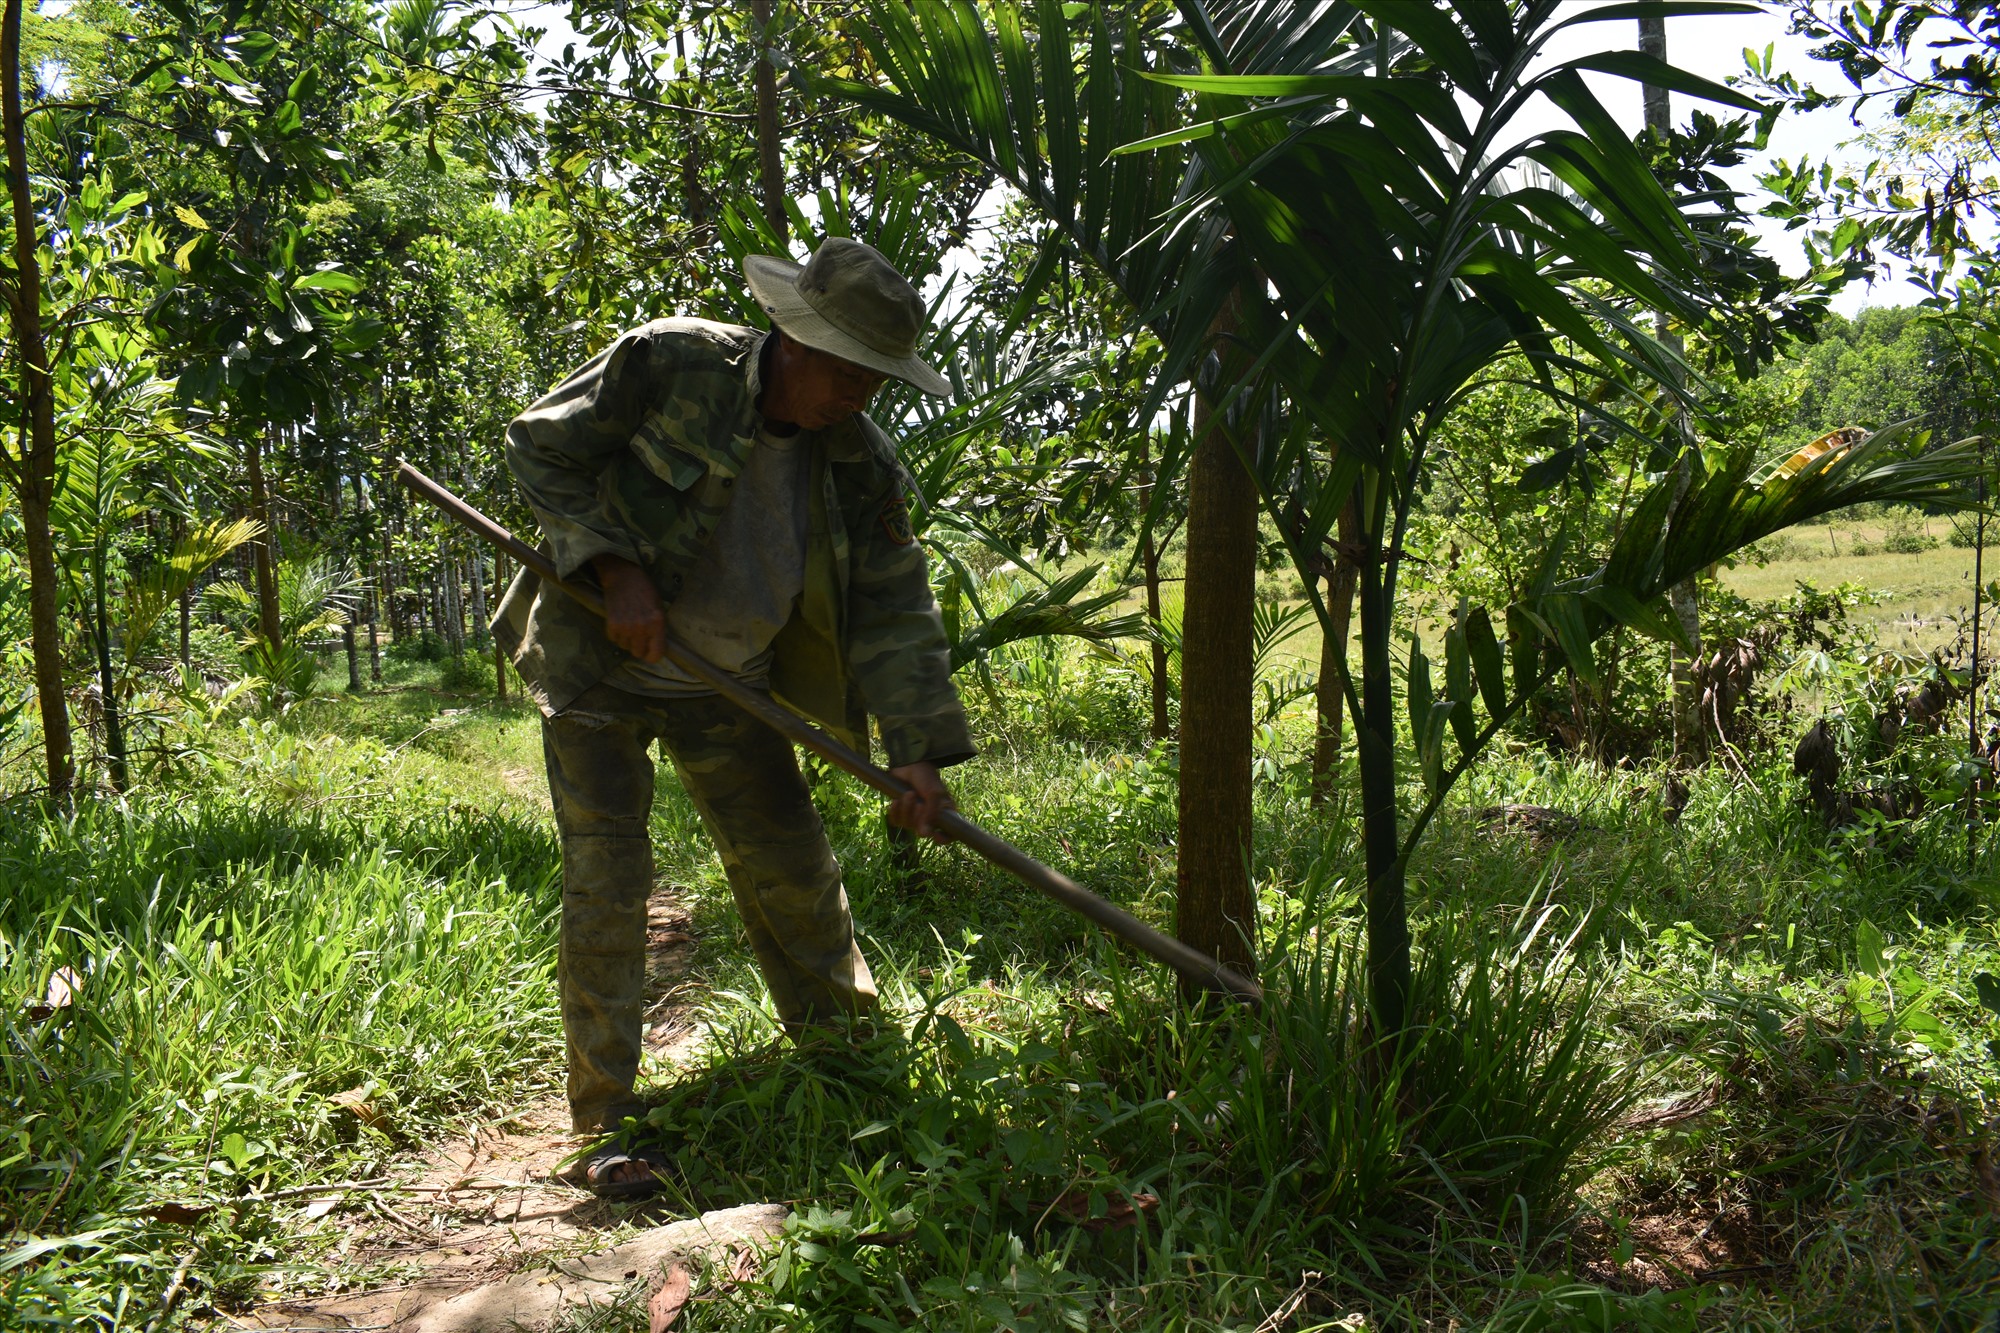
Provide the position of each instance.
(918, 808)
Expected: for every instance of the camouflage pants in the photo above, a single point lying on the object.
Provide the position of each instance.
(745, 781)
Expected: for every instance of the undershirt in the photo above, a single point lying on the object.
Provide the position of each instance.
(745, 583)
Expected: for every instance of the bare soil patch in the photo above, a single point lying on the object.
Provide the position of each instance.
(501, 1201)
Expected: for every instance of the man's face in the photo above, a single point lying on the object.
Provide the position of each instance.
(823, 388)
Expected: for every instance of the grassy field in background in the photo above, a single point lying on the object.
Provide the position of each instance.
(1922, 597)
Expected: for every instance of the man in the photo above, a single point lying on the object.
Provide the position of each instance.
(725, 486)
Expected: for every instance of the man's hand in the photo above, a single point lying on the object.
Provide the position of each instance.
(632, 616)
(918, 808)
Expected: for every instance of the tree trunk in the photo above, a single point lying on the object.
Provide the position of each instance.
(1381, 833)
(385, 584)
(1162, 723)
(1327, 692)
(1685, 704)
(1215, 911)
(347, 642)
(32, 470)
(1149, 561)
(499, 651)
(370, 594)
(107, 681)
(269, 623)
(479, 617)
(187, 621)
(770, 141)
(453, 608)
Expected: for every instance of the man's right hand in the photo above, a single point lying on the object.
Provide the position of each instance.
(633, 618)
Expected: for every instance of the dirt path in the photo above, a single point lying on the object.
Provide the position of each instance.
(492, 1204)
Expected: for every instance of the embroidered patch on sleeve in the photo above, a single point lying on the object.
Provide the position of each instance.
(896, 521)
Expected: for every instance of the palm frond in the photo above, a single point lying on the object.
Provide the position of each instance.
(1054, 609)
(148, 598)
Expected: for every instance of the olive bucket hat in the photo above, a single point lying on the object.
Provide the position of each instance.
(850, 301)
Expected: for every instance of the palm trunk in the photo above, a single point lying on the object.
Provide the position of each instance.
(770, 141)
(32, 469)
(1375, 743)
(1215, 911)
(1327, 694)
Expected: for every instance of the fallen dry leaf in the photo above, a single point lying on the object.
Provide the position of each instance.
(319, 1208)
(744, 1266)
(356, 1102)
(665, 1306)
(178, 1214)
(63, 987)
(64, 983)
(1120, 1211)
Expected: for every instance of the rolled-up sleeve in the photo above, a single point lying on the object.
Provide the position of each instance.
(559, 447)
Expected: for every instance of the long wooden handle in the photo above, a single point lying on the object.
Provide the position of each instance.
(1189, 962)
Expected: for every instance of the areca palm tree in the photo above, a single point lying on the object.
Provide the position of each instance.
(1365, 162)
(1416, 233)
(1044, 106)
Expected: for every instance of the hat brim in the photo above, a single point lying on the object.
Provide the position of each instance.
(774, 285)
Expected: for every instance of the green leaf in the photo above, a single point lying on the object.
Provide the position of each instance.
(1430, 745)
(1458, 683)
(1562, 618)
(328, 280)
(1435, 33)
(1627, 10)
(1649, 69)
(1988, 987)
(1524, 648)
(1628, 610)
(1487, 665)
(1419, 692)
(1546, 472)
(1868, 948)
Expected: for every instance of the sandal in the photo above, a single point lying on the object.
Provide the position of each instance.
(600, 1167)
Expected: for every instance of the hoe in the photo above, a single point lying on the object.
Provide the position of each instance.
(1190, 963)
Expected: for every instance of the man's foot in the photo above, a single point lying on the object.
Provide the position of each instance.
(617, 1169)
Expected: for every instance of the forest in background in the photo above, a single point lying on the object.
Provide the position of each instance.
(1380, 544)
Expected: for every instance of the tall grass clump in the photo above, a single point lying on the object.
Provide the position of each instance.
(1029, 1155)
(224, 1000)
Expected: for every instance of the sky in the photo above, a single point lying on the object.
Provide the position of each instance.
(1713, 47)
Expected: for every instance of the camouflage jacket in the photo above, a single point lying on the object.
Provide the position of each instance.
(635, 455)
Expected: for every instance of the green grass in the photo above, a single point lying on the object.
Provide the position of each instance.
(1920, 597)
(360, 895)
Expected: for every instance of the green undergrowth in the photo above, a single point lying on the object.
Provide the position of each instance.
(281, 971)
(1729, 1072)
